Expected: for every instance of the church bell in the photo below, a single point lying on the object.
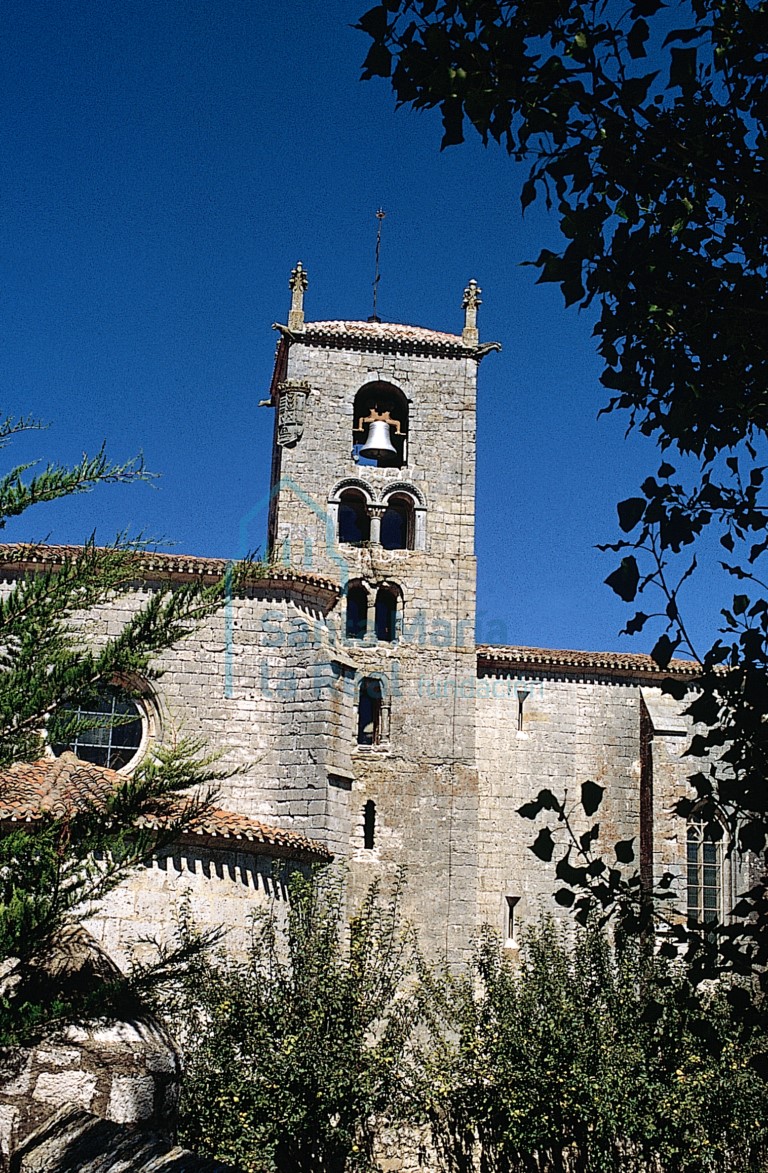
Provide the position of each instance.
(378, 445)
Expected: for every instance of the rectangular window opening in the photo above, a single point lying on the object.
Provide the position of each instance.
(522, 697)
(512, 903)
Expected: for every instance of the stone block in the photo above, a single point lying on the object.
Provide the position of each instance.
(131, 1099)
(65, 1088)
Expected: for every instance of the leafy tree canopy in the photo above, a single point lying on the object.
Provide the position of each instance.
(644, 130)
(294, 1055)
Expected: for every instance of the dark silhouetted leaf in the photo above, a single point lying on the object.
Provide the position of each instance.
(544, 845)
(591, 797)
(625, 579)
(625, 852)
(630, 512)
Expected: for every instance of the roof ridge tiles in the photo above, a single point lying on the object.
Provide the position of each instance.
(561, 657)
(44, 554)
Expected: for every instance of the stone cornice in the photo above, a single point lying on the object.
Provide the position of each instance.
(154, 566)
(386, 338)
(627, 666)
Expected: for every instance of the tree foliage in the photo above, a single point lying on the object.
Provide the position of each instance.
(586, 1053)
(293, 1054)
(52, 873)
(644, 130)
(589, 1056)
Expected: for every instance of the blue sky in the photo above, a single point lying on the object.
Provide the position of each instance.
(164, 165)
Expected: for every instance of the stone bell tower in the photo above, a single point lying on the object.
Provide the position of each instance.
(373, 485)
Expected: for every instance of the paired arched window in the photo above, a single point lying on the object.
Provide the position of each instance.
(380, 422)
(397, 523)
(393, 518)
(357, 612)
(386, 614)
(354, 519)
(386, 605)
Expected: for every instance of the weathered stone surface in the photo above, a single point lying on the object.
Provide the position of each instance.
(61, 1088)
(132, 1098)
(77, 1140)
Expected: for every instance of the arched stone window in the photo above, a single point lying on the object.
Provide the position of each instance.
(386, 614)
(383, 404)
(354, 520)
(370, 712)
(704, 873)
(357, 611)
(369, 825)
(397, 523)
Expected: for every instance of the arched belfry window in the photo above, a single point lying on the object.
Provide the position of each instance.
(354, 520)
(380, 426)
(397, 523)
(704, 873)
(386, 614)
(357, 611)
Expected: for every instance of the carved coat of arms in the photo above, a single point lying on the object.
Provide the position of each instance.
(290, 412)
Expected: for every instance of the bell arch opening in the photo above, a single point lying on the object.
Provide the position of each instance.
(380, 426)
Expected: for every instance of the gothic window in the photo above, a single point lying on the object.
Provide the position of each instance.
(106, 729)
(386, 614)
(354, 522)
(369, 825)
(370, 712)
(380, 422)
(705, 873)
(357, 611)
(397, 524)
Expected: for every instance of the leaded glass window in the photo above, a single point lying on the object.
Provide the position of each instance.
(106, 729)
(705, 874)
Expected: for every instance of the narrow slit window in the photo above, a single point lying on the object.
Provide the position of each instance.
(512, 902)
(369, 825)
(369, 712)
(522, 697)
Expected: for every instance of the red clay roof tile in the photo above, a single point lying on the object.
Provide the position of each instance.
(61, 786)
(490, 656)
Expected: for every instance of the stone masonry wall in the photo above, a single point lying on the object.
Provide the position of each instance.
(221, 890)
(263, 688)
(422, 777)
(573, 731)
